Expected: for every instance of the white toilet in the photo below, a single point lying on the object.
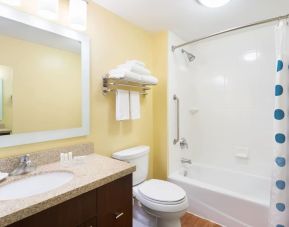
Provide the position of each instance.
(161, 199)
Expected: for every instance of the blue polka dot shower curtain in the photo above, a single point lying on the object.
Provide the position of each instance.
(279, 211)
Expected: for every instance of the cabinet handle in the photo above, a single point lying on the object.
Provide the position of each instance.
(118, 215)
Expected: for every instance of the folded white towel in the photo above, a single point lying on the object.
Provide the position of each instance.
(137, 62)
(132, 77)
(134, 98)
(124, 74)
(149, 79)
(135, 68)
(122, 105)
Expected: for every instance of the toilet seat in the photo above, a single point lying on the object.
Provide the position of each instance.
(162, 192)
(161, 196)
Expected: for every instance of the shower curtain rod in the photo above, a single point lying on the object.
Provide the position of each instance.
(231, 30)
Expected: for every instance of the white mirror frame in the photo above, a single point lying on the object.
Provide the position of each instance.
(42, 136)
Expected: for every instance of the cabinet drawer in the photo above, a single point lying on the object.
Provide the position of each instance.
(114, 203)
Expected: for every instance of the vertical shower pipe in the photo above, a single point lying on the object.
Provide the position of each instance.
(176, 140)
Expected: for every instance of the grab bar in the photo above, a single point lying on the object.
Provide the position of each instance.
(176, 140)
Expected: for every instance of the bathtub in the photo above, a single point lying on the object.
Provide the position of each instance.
(232, 199)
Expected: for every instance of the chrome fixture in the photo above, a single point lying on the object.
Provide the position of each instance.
(186, 161)
(111, 85)
(176, 140)
(231, 30)
(25, 166)
(184, 143)
(190, 56)
(185, 172)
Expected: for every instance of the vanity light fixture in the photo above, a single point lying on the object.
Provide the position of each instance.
(12, 2)
(213, 3)
(48, 9)
(78, 14)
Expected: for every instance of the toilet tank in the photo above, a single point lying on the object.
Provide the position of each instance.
(138, 156)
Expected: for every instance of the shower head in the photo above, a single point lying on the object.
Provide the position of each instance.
(190, 56)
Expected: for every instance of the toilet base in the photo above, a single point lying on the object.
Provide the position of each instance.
(168, 222)
(166, 219)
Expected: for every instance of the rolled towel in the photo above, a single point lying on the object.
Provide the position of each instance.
(137, 62)
(149, 79)
(135, 68)
(124, 74)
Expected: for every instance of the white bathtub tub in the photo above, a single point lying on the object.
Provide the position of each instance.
(232, 199)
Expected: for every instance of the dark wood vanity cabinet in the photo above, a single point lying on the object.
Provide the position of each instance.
(107, 206)
(114, 204)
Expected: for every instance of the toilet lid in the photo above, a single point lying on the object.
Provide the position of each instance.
(162, 192)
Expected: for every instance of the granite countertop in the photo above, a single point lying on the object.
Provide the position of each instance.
(91, 173)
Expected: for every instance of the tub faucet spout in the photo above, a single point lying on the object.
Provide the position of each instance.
(184, 144)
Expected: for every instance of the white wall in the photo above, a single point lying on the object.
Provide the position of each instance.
(234, 98)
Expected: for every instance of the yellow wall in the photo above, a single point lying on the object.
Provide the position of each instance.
(46, 85)
(113, 41)
(160, 65)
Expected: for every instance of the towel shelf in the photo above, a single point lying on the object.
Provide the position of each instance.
(112, 84)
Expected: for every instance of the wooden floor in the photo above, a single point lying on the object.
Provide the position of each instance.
(189, 220)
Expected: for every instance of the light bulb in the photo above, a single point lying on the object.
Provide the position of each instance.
(48, 9)
(12, 2)
(78, 14)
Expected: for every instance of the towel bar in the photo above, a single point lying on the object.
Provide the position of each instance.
(112, 84)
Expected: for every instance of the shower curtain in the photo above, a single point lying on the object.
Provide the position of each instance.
(279, 211)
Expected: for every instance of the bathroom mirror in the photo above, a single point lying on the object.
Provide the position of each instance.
(1, 99)
(44, 80)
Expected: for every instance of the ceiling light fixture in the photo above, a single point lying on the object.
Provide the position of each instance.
(213, 3)
(78, 14)
(48, 9)
(12, 2)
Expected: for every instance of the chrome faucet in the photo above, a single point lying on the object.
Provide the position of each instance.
(185, 160)
(25, 166)
(184, 143)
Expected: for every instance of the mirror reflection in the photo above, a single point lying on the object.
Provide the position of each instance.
(40, 80)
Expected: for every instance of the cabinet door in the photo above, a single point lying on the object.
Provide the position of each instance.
(114, 203)
(89, 223)
(71, 213)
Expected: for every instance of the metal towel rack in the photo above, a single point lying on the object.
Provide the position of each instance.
(112, 84)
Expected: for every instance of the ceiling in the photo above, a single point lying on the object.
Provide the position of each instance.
(190, 20)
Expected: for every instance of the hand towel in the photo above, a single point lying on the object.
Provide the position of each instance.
(122, 105)
(135, 68)
(124, 74)
(134, 97)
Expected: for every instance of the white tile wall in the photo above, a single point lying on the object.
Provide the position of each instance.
(234, 97)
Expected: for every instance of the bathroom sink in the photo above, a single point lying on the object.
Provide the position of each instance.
(34, 185)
